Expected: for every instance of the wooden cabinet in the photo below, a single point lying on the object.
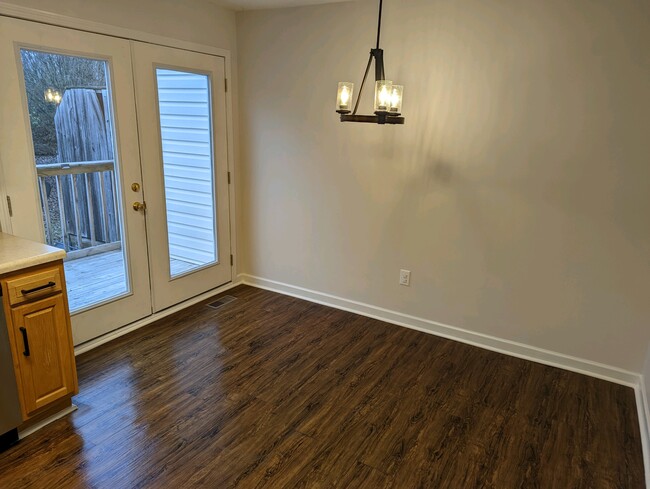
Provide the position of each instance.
(36, 309)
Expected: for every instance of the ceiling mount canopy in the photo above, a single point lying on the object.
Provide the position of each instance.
(388, 97)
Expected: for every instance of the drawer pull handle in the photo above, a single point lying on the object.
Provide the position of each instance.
(25, 341)
(36, 289)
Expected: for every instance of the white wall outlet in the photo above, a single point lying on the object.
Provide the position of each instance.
(405, 277)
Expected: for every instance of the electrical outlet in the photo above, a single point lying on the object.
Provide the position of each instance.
(405, 277)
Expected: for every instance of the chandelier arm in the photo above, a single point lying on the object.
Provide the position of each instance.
(356, 106)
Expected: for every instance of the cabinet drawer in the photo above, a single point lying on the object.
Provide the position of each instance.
(33, 285)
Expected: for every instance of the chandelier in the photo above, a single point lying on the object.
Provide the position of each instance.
(388, 97)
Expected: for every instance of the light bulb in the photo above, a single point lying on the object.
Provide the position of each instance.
(383, 97)
(383, 90)
(345, 97)
(396, 99)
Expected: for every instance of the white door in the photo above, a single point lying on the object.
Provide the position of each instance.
(182, 121)
(69, 155)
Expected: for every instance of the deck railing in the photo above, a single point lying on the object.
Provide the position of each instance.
(79, 204)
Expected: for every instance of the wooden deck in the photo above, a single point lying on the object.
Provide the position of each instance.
(96, 278)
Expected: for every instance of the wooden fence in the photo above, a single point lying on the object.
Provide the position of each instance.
(79, 194)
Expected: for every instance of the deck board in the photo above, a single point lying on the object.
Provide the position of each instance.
(96, 278)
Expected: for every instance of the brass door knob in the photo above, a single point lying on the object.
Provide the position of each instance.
(137, 206)
(135, 187)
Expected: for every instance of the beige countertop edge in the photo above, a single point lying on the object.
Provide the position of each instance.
(18, 253)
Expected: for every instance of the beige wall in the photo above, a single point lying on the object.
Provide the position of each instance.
(198, 21)
(517, 192)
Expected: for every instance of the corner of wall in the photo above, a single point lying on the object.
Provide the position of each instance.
(643, 409)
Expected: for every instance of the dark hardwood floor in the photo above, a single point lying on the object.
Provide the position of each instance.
(271, 391)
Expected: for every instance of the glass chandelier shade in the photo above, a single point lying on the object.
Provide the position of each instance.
(344, 97)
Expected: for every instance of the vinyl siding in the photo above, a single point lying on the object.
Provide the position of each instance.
(184, 103)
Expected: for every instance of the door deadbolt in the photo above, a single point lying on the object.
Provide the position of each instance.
(135, 187)
(137, 206)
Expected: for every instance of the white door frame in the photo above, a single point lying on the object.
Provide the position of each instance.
(35, 15)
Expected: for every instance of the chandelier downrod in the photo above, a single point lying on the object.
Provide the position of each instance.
(381, 5)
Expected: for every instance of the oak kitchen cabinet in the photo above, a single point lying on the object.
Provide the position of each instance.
(37, 318)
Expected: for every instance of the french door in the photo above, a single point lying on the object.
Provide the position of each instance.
(51, 160)
(183, 144)
(138, 199)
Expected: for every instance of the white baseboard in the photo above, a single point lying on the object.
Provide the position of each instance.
(89, 345)
(643, 408)
(507, 347)
(37, 426)
(488, 342)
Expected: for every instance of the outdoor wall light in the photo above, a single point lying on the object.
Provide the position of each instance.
(388, 97)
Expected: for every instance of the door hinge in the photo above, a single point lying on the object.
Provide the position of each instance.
(228, 178)
(225, 82)
(232, 260)
(9, 207)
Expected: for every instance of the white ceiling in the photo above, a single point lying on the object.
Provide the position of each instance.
(260, 4)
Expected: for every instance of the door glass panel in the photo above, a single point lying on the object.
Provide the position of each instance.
(184, 105)
(70, 111)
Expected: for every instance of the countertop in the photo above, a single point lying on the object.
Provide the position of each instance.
(18, 253)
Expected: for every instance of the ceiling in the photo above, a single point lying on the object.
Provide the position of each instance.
(261, 4)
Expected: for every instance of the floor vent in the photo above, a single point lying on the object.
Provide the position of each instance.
(222, 301)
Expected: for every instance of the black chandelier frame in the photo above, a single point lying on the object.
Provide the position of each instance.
(380, 117)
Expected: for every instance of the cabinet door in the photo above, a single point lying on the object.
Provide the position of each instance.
(44, 351)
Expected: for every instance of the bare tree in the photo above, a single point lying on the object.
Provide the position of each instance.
(59, 72)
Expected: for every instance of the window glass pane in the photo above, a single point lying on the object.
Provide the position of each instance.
(186, 133)
(70, 114)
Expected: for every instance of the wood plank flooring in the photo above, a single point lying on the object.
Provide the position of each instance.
(271, 391)
(96, 278)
